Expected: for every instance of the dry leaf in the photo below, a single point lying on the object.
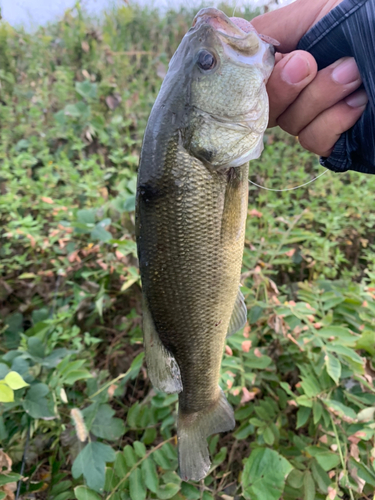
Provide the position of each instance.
(331, 493)
(246, 345)
(9, 490)
(111, 390)
(48, 200)
(255, 213)
(85, 46)
(113, 101)
(354, 451)
(360, 482)
(246, 330)
(247, 395)
(5, 461)
(228, 350)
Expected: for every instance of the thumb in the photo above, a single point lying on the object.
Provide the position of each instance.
(292, 73)
(288, 24)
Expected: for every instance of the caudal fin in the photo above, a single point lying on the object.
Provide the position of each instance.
(192, 432)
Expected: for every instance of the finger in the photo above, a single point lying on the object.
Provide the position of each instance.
(292, 73)
(288, 24)
(330, 86)
(321, 134)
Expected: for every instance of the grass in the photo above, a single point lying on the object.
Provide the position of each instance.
(74, 101)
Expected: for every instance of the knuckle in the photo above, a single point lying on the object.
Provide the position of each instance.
(305, 140)
(288, 124)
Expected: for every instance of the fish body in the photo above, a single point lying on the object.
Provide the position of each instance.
(192, 195)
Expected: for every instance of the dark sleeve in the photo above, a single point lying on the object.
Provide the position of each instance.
(349, 30)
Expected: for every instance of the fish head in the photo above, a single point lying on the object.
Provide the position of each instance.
(225, 70)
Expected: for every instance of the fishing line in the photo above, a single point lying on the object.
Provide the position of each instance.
(288, 189)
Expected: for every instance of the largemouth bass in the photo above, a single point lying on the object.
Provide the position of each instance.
(192, 196)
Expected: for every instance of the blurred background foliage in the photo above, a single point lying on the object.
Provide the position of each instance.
(78, 416)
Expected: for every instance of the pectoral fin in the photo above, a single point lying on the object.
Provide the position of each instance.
(239, 315)
(162, 367)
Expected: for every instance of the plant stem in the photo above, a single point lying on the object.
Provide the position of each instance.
(137, 465)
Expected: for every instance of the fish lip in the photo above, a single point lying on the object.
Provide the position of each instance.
(219, 21)
(245, 40)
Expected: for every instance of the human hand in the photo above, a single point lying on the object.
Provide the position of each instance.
(316, 106)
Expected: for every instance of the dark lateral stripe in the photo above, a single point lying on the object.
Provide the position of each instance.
(349, 30)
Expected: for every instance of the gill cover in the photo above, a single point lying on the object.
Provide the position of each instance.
(228, 98)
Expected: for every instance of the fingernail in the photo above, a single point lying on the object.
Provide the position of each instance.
(295, 70)
(357, 100)
(346, 72)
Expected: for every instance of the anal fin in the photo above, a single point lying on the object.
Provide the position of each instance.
(162, 368)
(239, 315)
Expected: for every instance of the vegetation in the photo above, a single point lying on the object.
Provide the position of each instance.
(78, 416)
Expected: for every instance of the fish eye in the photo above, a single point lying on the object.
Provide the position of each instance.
(206, 60)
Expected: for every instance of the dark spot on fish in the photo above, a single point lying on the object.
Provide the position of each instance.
(148, 193)
(231, 174)
(205, 155)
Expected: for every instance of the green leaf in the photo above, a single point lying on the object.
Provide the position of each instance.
(367, 342)
(308, 486)
(220, 456)
(161, 459)
(86, 216)
(35, 348)
(327, 460)
(130, 456)
(333, 366)
(11, 477)
(137, 488)
(190, 492)
(317, 412)
(6, 393)
(60, 487)
(167, 491)
(75, 375)
(120, 466)
(295, 479)
(84, 493)
(268, 436)
(320, 476)
(139, 448)
(150, 475)
(105, 426)
(340, 333)
(15, 381)
(91, 462)
(264, 474)
(341, 410)
(244, 431)
(38, 402)
(99, 233)
(86, 89)
(303, 415)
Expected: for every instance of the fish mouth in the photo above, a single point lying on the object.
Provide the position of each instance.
(240, 40)
(235, 27)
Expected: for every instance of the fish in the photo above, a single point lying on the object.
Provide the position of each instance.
(191, 205)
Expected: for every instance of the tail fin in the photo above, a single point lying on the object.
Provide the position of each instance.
(193, 430)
